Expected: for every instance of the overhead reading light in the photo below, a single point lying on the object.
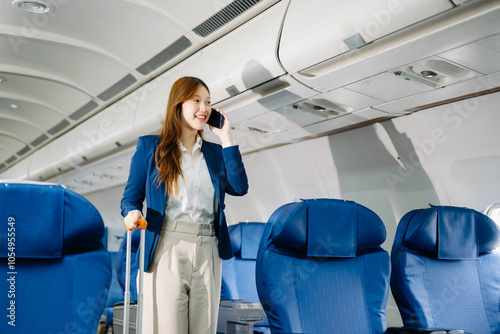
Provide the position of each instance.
(14, 106)
(33, 6)
(2, 79)
(428, 74)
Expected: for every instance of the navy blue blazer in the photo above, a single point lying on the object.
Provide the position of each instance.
(227, 173)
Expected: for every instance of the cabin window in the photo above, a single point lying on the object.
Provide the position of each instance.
(494, 212)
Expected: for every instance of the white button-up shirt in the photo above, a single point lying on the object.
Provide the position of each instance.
(195, 199)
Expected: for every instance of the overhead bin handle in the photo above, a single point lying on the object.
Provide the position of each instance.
(254, 94)
(271, 87)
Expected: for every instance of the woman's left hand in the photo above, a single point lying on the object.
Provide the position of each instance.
(223, 133)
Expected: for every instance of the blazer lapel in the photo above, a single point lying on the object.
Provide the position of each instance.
(213, 168)
(161, 188)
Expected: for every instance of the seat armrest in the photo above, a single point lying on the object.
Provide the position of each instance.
(239, 316)
(413, 330)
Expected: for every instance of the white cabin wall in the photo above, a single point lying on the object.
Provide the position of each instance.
(447, 155)
(108, 203)
(469, 154)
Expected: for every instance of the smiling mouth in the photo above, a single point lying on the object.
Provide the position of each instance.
(201, 117)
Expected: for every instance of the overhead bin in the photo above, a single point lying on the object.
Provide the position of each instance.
(233, 67)
(235, 63)
(456, 92)
(318, 30)
(271, 95)
(108, 131)
(257, 126)
(18, 173)
(54, 158)
(93, 139)
(243, 58)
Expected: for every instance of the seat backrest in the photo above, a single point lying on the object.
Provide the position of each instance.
(59, 272)
(238, 273)
(445, 263)
(115, 292)
(320, 269)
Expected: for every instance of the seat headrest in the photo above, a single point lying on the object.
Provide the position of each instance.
(245, 239)
(326, 228)
(451, 233)
(47, 220)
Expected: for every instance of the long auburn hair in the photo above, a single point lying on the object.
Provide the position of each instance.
(168, 155)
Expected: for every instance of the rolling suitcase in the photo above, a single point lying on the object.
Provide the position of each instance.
(140, 295)
(118, 312)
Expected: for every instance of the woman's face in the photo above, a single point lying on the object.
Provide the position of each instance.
(196, 111)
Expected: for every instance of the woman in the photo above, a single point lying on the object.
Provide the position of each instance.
(184, 180)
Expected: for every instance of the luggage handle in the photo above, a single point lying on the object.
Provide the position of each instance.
(140, 295)
(143, 224)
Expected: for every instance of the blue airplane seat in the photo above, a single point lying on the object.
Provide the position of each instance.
(57, 273)
(320, 269)
(445, 270)
(134, 264)
(115, 292)
(238, 273)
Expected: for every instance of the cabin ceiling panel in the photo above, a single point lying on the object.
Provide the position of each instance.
(117, 28)
(440, 96)
(36, 115)
(268, 124)
(301, 113)
(437, 71)
(9, 145)
(86, 69)
(85, 55)
(482, 56)
(344, 121)
(59, 97)
(20, 129)
(263, 141)
(349, 100)
(389, 87)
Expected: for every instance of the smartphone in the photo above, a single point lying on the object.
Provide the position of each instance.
(216, 119)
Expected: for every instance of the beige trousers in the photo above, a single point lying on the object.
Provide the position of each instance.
(182, 293)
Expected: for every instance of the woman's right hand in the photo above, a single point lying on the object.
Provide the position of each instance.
(132, 218)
